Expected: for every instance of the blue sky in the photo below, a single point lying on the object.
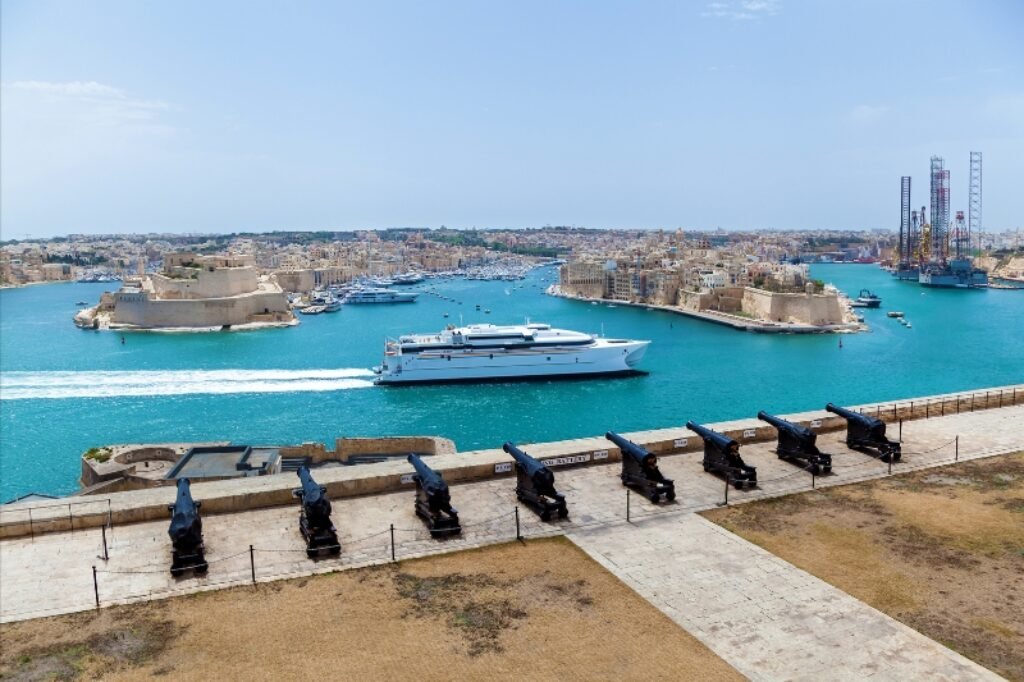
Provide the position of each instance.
(222, 116)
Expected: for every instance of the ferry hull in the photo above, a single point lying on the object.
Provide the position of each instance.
(479, 365)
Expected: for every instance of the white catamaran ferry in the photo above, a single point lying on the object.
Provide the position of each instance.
(482, 352)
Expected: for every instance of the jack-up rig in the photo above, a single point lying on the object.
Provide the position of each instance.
(932, 253)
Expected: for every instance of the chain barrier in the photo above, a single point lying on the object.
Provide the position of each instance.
(482, 533)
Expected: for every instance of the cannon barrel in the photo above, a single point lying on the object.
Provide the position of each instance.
(629, 448)
(850, 415)
(719, 440)
(314, 501)
(184, 514)
(541, 476)
(430, 480)
(782, 425)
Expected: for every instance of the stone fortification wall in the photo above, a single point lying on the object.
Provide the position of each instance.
(297, 281)
(210, 283)
(722, 299)
(137, 310)
(816, 309)
(264, 491)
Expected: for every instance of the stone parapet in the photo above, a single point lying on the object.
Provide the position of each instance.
(265, 491)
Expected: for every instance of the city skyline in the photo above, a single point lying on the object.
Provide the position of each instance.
(759, 114)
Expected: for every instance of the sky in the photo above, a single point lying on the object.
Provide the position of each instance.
(188, 116)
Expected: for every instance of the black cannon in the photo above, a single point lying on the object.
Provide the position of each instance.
(722, 457)
(535, 485)
(640, 470)
(315, 518)
(433, 502)
(866, 433)
(797, 444)
(186, 531)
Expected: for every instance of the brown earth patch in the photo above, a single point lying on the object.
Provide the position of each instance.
(542, 610)
(941, 550)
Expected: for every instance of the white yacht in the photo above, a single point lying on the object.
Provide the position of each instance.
(377, 295)
(482, 352)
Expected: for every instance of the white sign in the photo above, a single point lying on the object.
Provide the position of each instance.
(407, 479)
(749, 433)
(600, 454)
(815, 423)
(503, 468)
(562, 461)
(680, 442)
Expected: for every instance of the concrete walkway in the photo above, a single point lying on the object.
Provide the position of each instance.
(762, 615)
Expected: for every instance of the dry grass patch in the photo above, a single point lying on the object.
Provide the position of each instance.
(543, 610)
(941, 550)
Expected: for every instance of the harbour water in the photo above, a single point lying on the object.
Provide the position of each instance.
(64, 390)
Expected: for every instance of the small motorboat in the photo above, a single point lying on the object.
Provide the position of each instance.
(866, 299)
(894, 313)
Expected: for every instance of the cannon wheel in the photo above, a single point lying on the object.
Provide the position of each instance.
(563, 512)
(201, 568)
(177, 572)
(655, 497)
(670, 496)
(737, 484)
(545, 515)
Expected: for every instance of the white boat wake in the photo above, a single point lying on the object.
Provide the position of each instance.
(55, 385)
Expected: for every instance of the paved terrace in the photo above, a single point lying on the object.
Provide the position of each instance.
(765, 617)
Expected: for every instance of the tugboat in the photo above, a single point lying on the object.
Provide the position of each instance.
(866, 299)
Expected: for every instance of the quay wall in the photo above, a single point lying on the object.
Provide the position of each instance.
(21, 519)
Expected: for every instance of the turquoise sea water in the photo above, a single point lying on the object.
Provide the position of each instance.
(309, 383)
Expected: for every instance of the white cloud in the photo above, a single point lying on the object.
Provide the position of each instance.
(867, 113)
(103, 103)
(741, 10)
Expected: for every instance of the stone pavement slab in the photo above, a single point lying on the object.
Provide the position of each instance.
(762, 615)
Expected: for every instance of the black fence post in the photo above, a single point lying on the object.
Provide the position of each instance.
(392, 542)
(812, 479)
(890, 463)
(927, 411)
(106, 554)
(96, 588)
(901, 431)
(519, 535)
(71, 519)
(726, 490)
(956, 454)
(31, 530)
(252, 563)
(627, 506)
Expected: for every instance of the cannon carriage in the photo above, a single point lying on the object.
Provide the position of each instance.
(722, 457)
(640, 470)
(315, 517)
(433, 501)
(186, 531)
(798, 444)
(535, 485)
(867, 434)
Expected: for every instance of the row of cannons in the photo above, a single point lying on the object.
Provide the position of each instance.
(535, 483)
